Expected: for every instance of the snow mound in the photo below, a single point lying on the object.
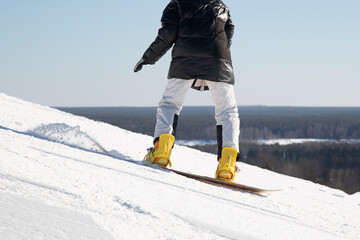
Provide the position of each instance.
(68, 135)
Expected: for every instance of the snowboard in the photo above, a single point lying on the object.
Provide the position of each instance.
(226, 184)
(208, 180)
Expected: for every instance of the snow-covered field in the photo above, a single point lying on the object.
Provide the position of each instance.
(57, 183)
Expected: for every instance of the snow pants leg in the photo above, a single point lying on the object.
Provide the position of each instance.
(170, 106)
(226, 115)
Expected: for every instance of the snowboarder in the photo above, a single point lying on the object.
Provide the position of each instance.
(201, 32)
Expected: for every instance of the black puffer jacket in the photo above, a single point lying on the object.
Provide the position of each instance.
(201, 31)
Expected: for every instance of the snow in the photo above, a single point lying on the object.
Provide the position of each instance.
(196, 142)
(56, 182)
(304, 140)
(32, 217)
(283, 141)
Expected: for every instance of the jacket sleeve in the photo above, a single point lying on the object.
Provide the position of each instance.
(167, 34)
(229, 29)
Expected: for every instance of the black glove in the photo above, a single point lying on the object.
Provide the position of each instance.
(139, 65)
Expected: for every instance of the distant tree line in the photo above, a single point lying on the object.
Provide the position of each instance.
(320, 127)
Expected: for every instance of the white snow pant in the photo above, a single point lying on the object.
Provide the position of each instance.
(226, 111)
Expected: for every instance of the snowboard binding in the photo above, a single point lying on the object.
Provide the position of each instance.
(160, 153)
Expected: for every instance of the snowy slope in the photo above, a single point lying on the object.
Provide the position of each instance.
(56, 183)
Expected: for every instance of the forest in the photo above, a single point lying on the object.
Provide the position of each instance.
(335, 164)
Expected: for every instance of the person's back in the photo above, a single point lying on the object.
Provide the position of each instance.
(201, 30)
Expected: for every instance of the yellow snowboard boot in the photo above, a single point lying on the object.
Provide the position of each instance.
(160, 153)
(227, 164)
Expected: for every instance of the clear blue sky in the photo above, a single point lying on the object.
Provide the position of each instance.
(82, 53)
